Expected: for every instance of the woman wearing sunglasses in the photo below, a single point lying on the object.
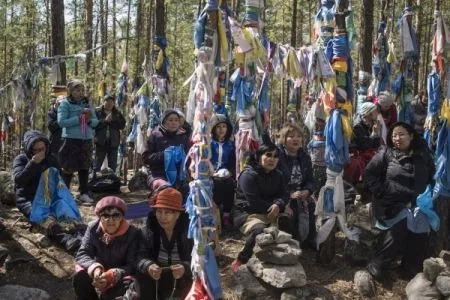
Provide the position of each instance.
(107, 254)
(260, 198)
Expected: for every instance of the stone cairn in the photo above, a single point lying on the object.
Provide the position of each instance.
(433, 282)
(274, 270)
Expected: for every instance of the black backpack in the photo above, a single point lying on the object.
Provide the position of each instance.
(109, 183)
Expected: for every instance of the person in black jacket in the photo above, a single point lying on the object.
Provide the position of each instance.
(53, 127)
(106, 258)
(107, 133)
(164, 255)
(27, 170)
(295, 164)
(260, 198)
(396, 175)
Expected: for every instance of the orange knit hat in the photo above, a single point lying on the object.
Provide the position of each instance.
(168, 198)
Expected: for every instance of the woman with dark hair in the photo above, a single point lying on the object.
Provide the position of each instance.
(396, 175)
(260, 198)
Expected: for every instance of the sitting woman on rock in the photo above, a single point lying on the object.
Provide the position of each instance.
(296, 166)
(396, 175)
(164, 255)
(41, 194)
(260, 198)
(106, 258)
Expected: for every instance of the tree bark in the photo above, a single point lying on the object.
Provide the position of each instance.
(88, 31)
(58, 35)
(365, 49)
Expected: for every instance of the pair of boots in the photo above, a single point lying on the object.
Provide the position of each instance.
(70, 241)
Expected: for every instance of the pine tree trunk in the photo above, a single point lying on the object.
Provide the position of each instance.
(88, 31)
(365, 49)
(58, 35)
(75, 16)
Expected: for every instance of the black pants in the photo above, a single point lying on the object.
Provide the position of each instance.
(398, 240)
(83, 177)
(224, 193)
(284, 224)
(147, 287)
(84, 290)
(106, 151)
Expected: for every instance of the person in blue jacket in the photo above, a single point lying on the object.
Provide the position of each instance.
(77, 119)
(223, 159)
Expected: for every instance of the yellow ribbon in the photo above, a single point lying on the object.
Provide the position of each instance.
(222, 37)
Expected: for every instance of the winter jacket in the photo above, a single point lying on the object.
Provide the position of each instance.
(362, 137)
(69, 113)
(419, 114)
(150, 243)
(286, 164)
(223, 154)
(28, 173)
(55, 131)
(258, 190)
(160, 140)
(116, 124)
(396, 179)
(119, 253)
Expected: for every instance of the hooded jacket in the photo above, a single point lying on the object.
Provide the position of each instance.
(119, 253)
(396, 179)
(150, 243)
(69, 113)
(27, 173)
(223, 154)
(362, 138)
(116, 124)
(258, 190)
(159, 140)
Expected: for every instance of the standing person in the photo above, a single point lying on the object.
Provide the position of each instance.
(260, 199)
(106, 258)
(164, 255)
(78, 120)
(166, 148)
(53, 127)
(296, 166)
(49, 214)
(223, 159)
(419, 109)
(396, 175)
(107, 133)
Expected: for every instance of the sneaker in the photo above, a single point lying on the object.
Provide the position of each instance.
(85, 199)
(235, 265)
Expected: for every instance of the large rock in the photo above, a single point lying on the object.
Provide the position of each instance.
(432, 267)
(445, 255)
(7, 195)
(420, 288)
(364, 284)
(18, 292)
(278, 276)
(248, 287)
(279, 254)
(264, 239)
(443, 284)
(283, 237)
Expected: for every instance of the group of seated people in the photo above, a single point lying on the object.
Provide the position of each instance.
(276, 187)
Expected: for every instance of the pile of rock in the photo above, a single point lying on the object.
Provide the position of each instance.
(434, 282)
(275, 270)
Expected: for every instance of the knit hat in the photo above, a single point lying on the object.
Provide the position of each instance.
(110, 201)
(108, 97)
(385, 99)
(168, 198)
(167, 113)
(73, 84)
(367, 108)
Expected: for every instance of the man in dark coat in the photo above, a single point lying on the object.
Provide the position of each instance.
(107, 133)
(53, 127)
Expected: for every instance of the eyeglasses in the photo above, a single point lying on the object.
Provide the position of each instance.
(271, 154)
(114, 216)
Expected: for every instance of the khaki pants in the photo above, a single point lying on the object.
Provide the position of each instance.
(255, 219)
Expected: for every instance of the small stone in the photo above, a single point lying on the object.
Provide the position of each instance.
(443, 285)
(445, 255)
(364, 284)
(432, 267)
(292, 294)
(280, 277)
(42, 240)
(264, 239)
(283, 237)
(279, 254)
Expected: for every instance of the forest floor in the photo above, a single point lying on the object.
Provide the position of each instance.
(50, 268)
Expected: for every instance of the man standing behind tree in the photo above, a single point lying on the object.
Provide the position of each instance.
(107, 133)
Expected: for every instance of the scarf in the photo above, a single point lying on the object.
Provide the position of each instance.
(108, 238)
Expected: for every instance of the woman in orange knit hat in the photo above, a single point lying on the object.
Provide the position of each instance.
(163, 260)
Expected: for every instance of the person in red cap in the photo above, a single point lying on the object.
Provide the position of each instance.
(164, 254)
(106, 258)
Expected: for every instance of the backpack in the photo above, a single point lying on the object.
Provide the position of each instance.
(109, 183)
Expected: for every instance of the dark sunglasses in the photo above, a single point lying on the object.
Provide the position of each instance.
(271, 154)
(114, 216)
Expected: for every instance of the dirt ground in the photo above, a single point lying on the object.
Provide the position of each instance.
(50, 268)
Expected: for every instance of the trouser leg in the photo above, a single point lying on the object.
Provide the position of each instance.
(247, 252)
